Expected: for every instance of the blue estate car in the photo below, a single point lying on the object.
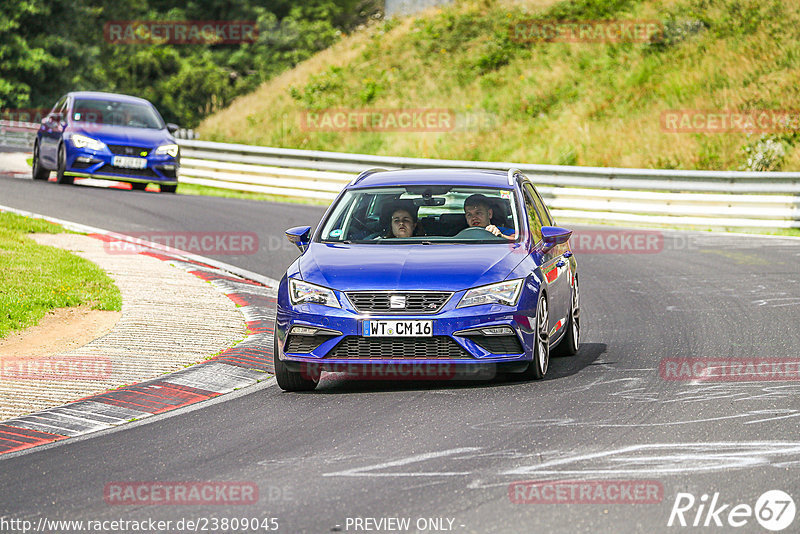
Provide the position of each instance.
(397, 275)
(109, 136)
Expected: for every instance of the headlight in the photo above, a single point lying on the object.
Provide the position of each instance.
(81, 141)
(172, 150)
(301, 292)
(502, 293)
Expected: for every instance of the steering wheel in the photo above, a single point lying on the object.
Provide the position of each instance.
(474, 232)
(116, 118)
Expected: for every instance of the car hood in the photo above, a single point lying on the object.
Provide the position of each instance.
(122, 135)
(377, 267)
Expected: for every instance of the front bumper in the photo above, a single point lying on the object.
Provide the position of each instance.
(455, 338)
(87, 163)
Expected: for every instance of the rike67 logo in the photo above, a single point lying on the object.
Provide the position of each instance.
(774, 510)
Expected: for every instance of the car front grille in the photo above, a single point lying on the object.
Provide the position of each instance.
(397, 348)
(415, 301)
(124, 150)
(304, 344)
(498, 344)
(141, 173)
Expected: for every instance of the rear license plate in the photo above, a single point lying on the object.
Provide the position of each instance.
(129, 163)
(398, 328)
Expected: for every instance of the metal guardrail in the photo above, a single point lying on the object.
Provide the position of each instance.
(675, 197)
(15, 134)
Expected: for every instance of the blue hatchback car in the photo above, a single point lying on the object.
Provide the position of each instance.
(452, 268)
(109, 136)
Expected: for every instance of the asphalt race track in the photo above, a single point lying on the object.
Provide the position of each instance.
(448, 452)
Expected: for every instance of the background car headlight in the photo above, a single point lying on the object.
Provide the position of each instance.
(501, 293)
(302, 292)
(81, 141)
(171, 150)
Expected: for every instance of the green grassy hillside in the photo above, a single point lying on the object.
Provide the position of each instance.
(582, 103)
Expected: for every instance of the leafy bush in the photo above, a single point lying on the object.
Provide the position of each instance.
(50, 47)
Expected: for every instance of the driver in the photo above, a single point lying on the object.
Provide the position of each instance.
(478, 212)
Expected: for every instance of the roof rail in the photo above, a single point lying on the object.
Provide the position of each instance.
(364, 174)
(511, 174)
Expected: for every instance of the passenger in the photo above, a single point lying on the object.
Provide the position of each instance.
(404, 221)
(479, 212)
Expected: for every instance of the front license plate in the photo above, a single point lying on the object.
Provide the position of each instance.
(129, 163)
(398, 328)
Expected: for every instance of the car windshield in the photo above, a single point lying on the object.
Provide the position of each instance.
(416, 214)
(130, 114)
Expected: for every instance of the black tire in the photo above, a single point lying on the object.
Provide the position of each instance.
(571, 342)
(541, 348)
(138, 186)
(291, 380)
(38, 172)
(62, 165)
(169, 188)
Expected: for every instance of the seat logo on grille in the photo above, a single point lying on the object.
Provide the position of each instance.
(397, 302)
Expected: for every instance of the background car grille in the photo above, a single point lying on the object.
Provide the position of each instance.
(144, 173)
(498, 344)
(124, 150)
(416, 302)
(428, 348)
(304, 344)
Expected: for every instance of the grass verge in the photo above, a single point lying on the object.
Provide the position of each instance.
(37, 278)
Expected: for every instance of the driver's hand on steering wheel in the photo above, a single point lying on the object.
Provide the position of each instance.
(496, 231)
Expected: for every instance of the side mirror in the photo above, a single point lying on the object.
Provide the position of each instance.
(172, 127)
(300, 236)
(554, 235)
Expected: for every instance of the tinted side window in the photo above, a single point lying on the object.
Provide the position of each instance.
(547, 220)
(59, 107)
(534, 220)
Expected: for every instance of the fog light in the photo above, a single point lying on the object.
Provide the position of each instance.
(300, 330)
(84, 159)
(497, 331)
(303, 331)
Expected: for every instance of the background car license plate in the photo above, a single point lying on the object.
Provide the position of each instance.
(129, 163)
(398, 328)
